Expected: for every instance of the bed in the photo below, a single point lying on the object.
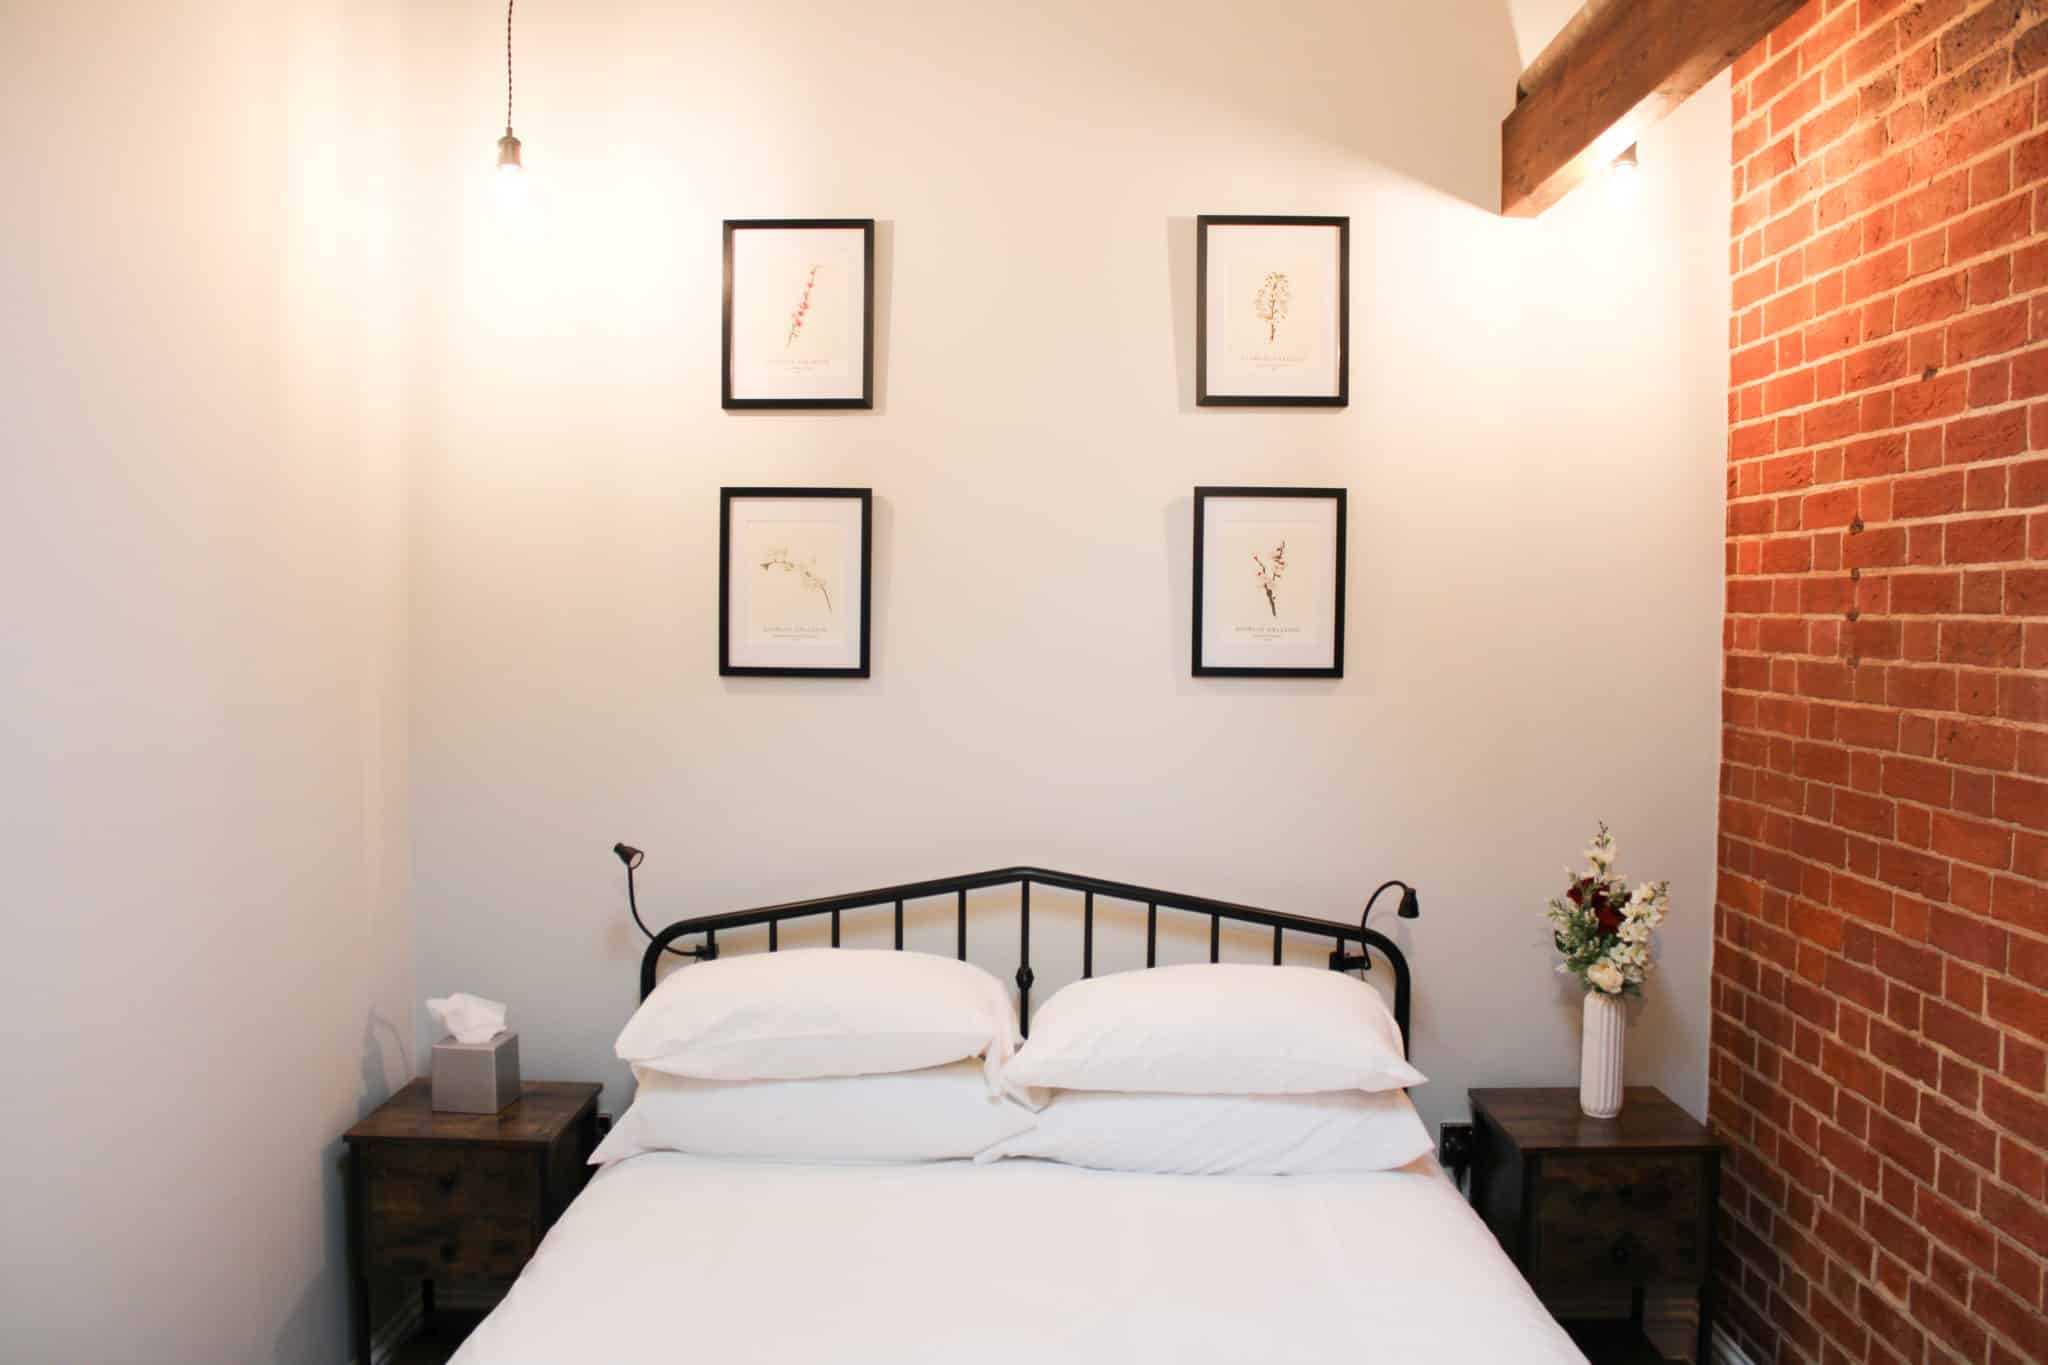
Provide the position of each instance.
(672, 1257)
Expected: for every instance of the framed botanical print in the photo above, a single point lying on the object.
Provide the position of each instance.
(799, 328)
(1272, 311)
(1269, 582)
(793, 582)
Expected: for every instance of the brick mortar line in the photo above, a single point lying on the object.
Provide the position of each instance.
(1997, 821)
(1959, 616)
(1948, 266)
(1981, 1014)
(1993, 1175)
(1992, 718)
(1863, 1278)
(1862, 748)
(1892, 64)
(1864, 1053)
(1861, 481)
(1894, 386)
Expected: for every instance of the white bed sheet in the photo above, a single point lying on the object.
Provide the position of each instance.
(668, 1257)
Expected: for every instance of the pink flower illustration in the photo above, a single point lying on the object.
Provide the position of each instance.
(796, 319)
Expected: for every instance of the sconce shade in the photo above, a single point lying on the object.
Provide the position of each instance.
(628, 855)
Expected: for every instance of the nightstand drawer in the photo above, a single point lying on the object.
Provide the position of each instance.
(446, 1181)
(469, 1248)
(455, 1196)
(1619, 1219)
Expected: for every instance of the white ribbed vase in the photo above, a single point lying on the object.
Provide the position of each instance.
(1600, 1053)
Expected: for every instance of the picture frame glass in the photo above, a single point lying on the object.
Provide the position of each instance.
(1273, 311)
(795, 590)
(1270, 587)
(797, 324)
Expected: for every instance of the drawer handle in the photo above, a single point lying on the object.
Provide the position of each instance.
(447, 1182)
(447, 1251)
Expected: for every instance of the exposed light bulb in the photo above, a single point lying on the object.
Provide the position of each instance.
(511, 175)
(1624, 180)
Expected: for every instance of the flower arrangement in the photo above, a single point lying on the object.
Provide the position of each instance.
(1602, 927)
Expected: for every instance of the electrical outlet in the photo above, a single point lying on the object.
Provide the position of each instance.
(1455, 1145)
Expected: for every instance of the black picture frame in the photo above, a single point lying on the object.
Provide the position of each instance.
(1207, 399)
(866, 399)
(726, 497)
(1335, 668)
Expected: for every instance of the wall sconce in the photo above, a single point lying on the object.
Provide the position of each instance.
(1624, 180)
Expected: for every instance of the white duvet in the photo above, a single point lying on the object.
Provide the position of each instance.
(668, 1257)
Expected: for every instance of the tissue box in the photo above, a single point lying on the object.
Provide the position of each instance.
(476, 1078)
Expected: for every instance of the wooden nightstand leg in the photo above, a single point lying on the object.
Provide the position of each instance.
(1703, 1350)
(358, 1269)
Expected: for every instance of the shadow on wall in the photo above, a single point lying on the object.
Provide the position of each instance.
(317, 1319)
(313, 1327)
(379, 1079)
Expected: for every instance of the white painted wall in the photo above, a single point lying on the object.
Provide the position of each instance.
(207, 968)
(1533, 451)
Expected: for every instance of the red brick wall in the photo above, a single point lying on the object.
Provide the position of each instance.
(1881, 956)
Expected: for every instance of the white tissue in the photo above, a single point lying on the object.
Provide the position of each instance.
(471, 1018)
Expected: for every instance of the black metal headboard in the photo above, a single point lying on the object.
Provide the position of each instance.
(1153, 900)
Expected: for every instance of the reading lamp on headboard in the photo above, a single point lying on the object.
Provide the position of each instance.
(1410, 908)
(632, 858)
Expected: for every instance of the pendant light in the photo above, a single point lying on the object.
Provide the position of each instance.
(511, 175)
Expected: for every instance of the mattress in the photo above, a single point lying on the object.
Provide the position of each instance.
(667, 1257)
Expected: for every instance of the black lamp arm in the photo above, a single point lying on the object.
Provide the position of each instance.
(631, 858)
(1410, 908)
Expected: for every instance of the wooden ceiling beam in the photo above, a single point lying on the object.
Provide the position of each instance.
(1615, 69)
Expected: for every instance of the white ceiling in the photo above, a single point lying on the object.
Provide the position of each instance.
(1536, 22)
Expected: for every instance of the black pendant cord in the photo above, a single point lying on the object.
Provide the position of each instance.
(508, 72)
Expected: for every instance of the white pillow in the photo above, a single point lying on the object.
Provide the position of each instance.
(1338, 1130)
(940, 1113)
(821, 1012)
(1215, 1029)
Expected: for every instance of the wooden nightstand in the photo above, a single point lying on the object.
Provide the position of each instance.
(460, 1196)
(1582, 1203)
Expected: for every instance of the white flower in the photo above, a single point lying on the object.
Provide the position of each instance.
(1633, 930)
(1605, 976)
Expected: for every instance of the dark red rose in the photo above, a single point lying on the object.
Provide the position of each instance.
(1608, 918)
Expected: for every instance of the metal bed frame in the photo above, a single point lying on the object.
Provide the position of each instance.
(1154, 900)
